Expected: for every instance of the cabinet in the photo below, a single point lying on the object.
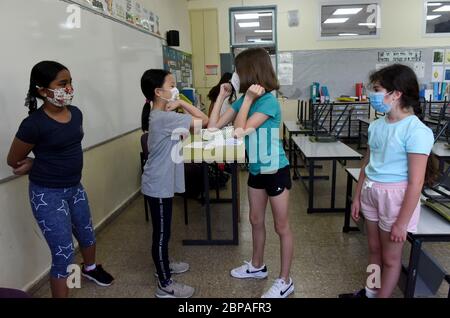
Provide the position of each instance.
(205, 51)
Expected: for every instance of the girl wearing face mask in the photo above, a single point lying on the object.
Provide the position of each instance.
(163, 176)
(392, 174)
(53, 132)
(257, 116)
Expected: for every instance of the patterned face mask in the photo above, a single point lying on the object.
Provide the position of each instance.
(61, 97)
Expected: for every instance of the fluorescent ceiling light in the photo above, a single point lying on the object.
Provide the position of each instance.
(259, 41)
(249, 24)
(442, 9)
(263, 31)
(434, 4)
(347, 11)
(336, 20)
(367, 24)
(432, 17)
(251, 16)
(348, 34)
(246, 16)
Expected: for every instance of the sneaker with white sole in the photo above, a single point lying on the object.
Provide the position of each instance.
(98, 275)
(174, 290)
(248, 271)
(177, 268)
(280, 289)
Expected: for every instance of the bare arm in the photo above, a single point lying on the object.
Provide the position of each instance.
(417, 165)
(244, 125)
(199, 119)
(17, 157)
(215, 120)
(356, 204)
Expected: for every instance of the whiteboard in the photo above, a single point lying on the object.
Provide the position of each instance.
(106, 60)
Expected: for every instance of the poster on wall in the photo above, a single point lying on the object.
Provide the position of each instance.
(400, 56)
(286, 68)
(447, 56)
(437, 74)
(447, 74)
(130, 11)
(438, 57)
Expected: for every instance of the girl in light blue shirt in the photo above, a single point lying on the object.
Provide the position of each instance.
(392, 175)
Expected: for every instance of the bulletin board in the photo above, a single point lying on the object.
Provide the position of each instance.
(179, 63)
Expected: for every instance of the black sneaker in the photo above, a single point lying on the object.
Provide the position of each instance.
(98, 275)
(359, 294)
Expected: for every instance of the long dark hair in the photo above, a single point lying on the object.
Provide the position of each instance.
(150, 80)
(401, 78)
(214, 92)
(42, 74)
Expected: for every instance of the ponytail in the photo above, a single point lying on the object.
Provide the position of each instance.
(145, 116)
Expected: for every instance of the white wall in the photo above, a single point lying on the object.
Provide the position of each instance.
(401, 25)
(173, 16)
(111, 176)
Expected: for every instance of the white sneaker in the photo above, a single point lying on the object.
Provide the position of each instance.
(174, 290)
(177, 268)
(280, 289)
(248, 271)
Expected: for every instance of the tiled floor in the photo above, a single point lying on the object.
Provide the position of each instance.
(326, 261)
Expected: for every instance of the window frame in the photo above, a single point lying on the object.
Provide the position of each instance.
(424, 22)
(351, 37)
(233, 10)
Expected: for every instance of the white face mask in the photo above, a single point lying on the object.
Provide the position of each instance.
(235, 82)
(61, 97)
(175, 95)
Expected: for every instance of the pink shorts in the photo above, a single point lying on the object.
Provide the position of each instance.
(381, 202)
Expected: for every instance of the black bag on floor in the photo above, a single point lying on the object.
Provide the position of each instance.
(193, 179)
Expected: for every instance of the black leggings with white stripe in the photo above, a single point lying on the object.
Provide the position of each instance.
(161, 211)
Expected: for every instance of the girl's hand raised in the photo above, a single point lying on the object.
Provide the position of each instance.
(254, 92)
(170, 106)
(225, 90)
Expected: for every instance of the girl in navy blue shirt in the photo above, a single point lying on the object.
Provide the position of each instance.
(53, 132)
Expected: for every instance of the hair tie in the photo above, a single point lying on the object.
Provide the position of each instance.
(148, 101)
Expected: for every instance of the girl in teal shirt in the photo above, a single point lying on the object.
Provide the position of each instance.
(257, 116)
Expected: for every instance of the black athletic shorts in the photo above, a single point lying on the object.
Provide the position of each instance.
(273, 183)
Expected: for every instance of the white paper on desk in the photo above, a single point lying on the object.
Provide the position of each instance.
(195, 144)
(223, 142)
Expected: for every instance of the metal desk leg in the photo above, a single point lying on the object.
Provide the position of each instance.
(359, 134)
(290, 149)
(333, 185)
(207, 203)
(235, 202)
(413, 267)
(311, 187)
(347, 228)
(295, 176)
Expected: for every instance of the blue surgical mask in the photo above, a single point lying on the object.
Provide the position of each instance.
(377, 102)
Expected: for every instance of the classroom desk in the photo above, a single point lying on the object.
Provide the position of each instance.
(362, 121)
(442, 152)
(233, 155)
(292, 128)
(431, 228)
(322, 151)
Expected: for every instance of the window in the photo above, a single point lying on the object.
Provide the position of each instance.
(349, 19)
(437, 17)
(253, 27)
